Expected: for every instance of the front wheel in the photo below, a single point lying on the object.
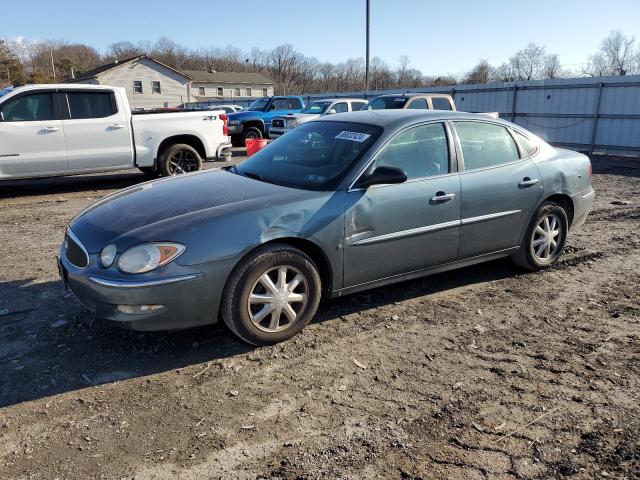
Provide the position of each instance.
(178, 159)
(251, 133)
(271, 295)
(544, 239)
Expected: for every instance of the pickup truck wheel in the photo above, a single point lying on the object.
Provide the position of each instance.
(251, 133)
(178, 159)
(271, 295)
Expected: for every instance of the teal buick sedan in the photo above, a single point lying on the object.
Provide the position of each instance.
(338, 205)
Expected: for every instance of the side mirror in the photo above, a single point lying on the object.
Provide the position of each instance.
(331, 111)
(381, 176)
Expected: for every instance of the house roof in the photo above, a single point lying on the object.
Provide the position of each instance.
(228, 77)
(108, 66)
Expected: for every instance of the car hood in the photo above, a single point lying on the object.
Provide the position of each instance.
(300, 116)
(243, 114)
(158, 207)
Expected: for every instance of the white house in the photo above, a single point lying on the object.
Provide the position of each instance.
(152, 84)
(148, 82)
(228, 85)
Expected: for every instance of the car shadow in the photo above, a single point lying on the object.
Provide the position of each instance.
(72, 184)
(51, 345)
(615, 165)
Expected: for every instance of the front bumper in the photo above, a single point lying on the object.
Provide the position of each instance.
(190, 296)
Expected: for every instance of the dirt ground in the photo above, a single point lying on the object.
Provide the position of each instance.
(482, 373)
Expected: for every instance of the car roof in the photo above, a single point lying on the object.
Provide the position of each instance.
(411, 95)
(339, 99)
(401, 117)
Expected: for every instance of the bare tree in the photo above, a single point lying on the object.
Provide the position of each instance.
(617, 52)
(528, 63)
(552, 66)
(481, 73)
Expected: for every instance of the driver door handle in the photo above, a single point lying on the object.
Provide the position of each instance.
(115, 126)
(441, 197)
(51, 129)
(528, 182)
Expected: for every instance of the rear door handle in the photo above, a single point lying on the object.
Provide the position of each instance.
(51, 129)
(528, 182)
(441, 197)
(115, 126)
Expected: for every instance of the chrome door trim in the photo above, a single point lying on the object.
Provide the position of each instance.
(490, 216)
(405, 233)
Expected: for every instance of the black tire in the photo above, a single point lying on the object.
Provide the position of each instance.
(246, 278)
(251, 132)
(150, 172)
(534, 240)
(178, 159)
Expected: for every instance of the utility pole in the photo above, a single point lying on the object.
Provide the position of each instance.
(53, 68)
(366, 66)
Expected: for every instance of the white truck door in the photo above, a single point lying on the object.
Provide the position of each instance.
(98, 132)
(31, 139)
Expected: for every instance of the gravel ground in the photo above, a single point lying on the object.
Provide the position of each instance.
(482, 373)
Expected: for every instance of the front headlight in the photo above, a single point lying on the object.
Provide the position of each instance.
(149, 256)
(233, 122)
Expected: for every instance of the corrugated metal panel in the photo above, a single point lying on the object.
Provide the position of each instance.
(561, 111)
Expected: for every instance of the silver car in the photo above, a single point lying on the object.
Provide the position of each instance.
(341, 204)
(284, 123)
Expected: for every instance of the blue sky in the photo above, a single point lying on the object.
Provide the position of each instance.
(438, 36)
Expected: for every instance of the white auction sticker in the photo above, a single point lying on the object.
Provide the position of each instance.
(353, 136)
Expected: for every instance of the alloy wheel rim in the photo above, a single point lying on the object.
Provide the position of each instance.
(182, 161)
(252, 135)
(546, 238)
(278, 298)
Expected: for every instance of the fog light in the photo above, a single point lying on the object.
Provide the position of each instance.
(138, 309)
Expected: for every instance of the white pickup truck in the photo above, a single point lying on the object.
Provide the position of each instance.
(51, 130)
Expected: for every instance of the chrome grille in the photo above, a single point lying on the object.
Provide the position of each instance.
(277, 123)
(74, 251)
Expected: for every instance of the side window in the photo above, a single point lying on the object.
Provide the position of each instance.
(485, 144)
(420, 152)
(155, 87)
(236, 92)
(201, 91)
(29, 108)
(440, 103)
(248, 91)
(220, 91)
(295, 104)
(530, 147)
(418, 103)
(340, 107)
(91, 104)
(355, 106)
(137, 86)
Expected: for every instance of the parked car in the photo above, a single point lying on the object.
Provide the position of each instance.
(341, 204)
(281, 125)
(65, 129)
(428, 101)
(255, 120)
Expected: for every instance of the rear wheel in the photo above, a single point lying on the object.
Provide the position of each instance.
(544, 239)
(178, 159)
(271, 295)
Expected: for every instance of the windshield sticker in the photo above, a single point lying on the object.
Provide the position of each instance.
(353, 136)
(315, 178)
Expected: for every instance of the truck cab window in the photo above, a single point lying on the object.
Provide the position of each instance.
(29, 108)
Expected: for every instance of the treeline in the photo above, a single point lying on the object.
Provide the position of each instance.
(27, 61)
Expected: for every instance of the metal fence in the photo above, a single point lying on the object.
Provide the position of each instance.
(587, 114)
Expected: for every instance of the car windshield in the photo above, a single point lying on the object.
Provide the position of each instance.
(385, 103)
(313, 156)
(316, 107)
(258, 104)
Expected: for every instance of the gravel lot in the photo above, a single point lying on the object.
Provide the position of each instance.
(487, 372)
